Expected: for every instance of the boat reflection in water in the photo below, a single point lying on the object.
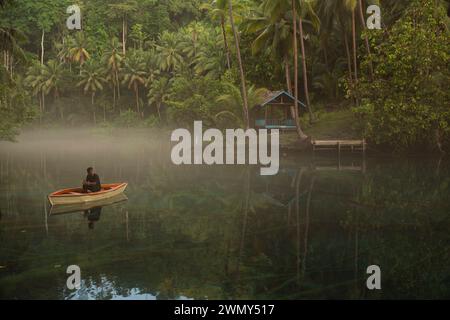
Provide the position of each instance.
(90, 210)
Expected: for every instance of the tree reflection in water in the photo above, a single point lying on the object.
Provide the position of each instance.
(226, 232)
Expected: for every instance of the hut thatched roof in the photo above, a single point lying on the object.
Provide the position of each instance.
(280, 97)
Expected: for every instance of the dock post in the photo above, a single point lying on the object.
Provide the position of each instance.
(313, 148)
(364, 165)
(339, 155)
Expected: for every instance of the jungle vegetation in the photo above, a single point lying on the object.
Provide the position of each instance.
(165, 63)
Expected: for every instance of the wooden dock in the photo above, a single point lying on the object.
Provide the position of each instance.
(339, 145)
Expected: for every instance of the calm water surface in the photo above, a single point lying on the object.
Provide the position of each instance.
(221, 232)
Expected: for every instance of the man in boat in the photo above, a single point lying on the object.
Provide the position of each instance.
(92, 182)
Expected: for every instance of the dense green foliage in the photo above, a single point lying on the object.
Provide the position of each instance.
(172, 61)
(14, 108)
(407, 104)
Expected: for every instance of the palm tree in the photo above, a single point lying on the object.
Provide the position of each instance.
(113, 61)
(35, 81)
(134, 75)
(218, 11)
(170, 57)
(152, 66)
(138, 36)
(274, 35)
(274, 31)
(92, 81)
(53, 76)
(294, 36)
(299, 9)
(210, 62)
(122, 10)
(305, 11)
(326, 80)
(366, 39)
(351, 6)
(334, 16)
(159, 93)
(78, 49)
(233, 100)
(241, 66)
(191, 42)
(9, 44)
(64, 54)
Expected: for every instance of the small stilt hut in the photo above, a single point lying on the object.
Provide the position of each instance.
(275, 111)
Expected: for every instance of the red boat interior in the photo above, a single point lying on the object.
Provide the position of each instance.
(79, 191)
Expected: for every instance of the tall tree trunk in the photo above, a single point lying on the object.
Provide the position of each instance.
(114, 95)
(241, 67)
(40, 109)
(118, 84)
(124, 34)
(93, 107)
(305, 71)
(355, 56)
(295, 44)
(11, 66)
(349, 58)
(438, 137)
(349, 63)
(325, 57)
(61, 111)
(136, 91)
(42, 47)
(287, 73)
(118, 92)
(43, 100)
(366, 39)
(225, 41)
(159, 110)
(300, 132)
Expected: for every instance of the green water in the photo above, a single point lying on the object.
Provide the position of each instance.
(221, 232)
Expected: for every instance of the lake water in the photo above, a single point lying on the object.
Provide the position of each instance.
(221, 232)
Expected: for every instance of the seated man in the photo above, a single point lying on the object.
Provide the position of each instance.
(92, 182)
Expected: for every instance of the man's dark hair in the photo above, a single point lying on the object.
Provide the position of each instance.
(89, 169)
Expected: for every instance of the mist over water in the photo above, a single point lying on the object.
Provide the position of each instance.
(199, 232)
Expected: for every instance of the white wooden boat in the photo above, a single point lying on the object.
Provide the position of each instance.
(77, 196)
